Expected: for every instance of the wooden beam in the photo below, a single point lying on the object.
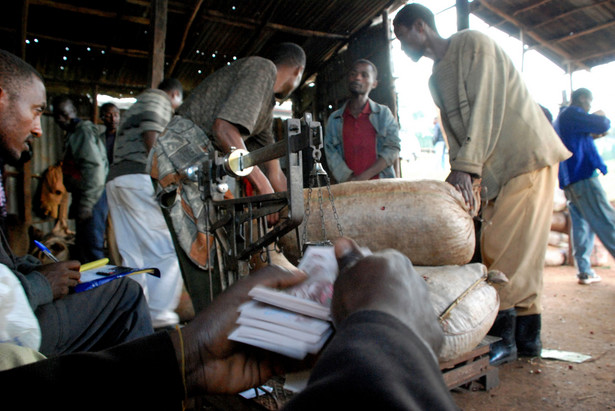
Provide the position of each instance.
(585, 32)
(528, 32)
(23, 30)
(569, 13)
(108, 49)
(212, 15)
(262, 34)
(185, 36)
(216, 16)
(159, 34)
(531, 7)
(133, 53)
(594, 55)
(87, 10)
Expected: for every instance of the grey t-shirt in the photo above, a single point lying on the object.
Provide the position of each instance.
(242, 94)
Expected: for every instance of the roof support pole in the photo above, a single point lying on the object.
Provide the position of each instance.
(463, 15)
(158, 31)
(24, 186)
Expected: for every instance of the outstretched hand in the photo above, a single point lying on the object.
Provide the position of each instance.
(214, 364)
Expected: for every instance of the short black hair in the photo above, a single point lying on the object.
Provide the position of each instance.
(289, 54)
(369, 63)
(57, 101)
(15, 73)
(412, 12)
(578, 93)
(170, 84)
(107, 106)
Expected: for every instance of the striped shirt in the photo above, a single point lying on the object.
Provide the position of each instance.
(151, 112)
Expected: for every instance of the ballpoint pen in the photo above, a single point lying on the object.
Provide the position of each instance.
(46, 251)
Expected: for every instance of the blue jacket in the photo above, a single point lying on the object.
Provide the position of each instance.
(575, 127)
(387, 141)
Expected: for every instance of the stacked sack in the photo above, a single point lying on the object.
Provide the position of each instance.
(429, 222)
(559, 249)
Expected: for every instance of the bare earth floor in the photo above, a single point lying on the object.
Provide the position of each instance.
(577, 318)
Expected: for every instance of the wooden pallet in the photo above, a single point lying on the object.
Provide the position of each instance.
(472, 366)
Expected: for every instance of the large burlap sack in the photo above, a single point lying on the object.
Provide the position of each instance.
(425, 220)
(467, 322)
(555, 256)
(470, 319)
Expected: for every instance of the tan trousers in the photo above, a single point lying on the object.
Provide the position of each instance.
(515, 234)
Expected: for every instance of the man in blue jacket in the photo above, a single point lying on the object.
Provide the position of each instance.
(362, 137)
(589, 207)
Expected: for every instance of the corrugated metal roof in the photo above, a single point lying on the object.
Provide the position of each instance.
(83, 43)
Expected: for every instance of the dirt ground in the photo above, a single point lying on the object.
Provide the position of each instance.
(577, 318)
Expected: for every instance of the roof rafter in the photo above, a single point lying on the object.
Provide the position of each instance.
(569, 13)
(585, 32)
(529, 32)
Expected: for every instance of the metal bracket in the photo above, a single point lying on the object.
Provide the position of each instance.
(239, 225)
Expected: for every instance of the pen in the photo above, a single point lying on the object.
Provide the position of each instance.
(94, 264)
(46, 251)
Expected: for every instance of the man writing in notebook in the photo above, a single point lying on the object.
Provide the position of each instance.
(93, 320)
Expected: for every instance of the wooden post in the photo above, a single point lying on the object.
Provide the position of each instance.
(95, 118)
(25, 177)
(158, 30)
(387, 76)
(463, 15)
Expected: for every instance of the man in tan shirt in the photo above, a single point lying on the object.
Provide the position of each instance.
(498, 133)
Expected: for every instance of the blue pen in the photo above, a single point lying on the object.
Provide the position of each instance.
(46, 251)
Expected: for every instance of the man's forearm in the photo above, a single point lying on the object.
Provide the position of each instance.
(226, 135)
(373, 170)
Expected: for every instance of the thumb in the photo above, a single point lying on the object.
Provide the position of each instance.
(347, 252)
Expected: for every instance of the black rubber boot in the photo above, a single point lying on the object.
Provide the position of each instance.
(527, 335)
(504, 350)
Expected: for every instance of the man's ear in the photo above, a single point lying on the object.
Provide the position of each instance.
(419, 25)
(375, 84)
(298, 70)
(3, 97)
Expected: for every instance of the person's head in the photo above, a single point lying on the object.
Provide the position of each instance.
(547, 113)
(173, 87)
(289, 60)
(412, 25)
(110, 116)
(363, 77)
(64, 111)
(22, 102)
(583, 98)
